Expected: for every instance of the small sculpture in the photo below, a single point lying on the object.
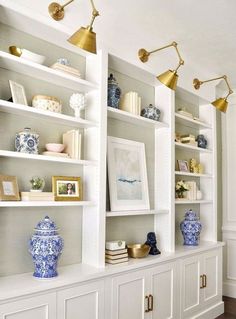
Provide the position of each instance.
(151, 241)
(77, 103)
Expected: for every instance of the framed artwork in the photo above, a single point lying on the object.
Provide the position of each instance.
(66, 188)
(18, 93)
(9, 188)
(127, 174)
(183, 166)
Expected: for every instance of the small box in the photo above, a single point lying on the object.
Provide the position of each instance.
(114, 245)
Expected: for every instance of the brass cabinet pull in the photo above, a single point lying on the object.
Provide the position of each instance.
(150, 306)
(147, 304)
(202, 282)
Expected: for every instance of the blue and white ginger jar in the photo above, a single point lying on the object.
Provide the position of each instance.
(151, 112)
(191, 228)
(114, 92)
(45, 246)
(27, 141)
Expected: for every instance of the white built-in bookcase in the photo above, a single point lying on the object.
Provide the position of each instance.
(86, 225)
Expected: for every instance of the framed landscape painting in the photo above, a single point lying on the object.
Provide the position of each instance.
(127, 174)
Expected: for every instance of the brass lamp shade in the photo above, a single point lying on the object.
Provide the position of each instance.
(169, 79)
(221, 104)
(85, 39)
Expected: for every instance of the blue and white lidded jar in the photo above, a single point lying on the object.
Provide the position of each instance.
(191, 228)
(151, 112)
(45, 246)
(114, 92)
(27, 141)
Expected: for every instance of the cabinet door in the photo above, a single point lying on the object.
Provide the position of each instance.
(85, 301)
(164, 291)
(40, 307)
(128, 296)
(190, 285)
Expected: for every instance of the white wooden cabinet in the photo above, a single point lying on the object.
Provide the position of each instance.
(85, 301)
(39, 307)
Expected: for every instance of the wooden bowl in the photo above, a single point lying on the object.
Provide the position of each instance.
(138, 250)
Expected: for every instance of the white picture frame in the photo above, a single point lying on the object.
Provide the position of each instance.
(18, 93)
(127, 175)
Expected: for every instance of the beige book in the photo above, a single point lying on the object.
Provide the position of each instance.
(117, 261)
(114, 257)
(116, 252)
(68, 139)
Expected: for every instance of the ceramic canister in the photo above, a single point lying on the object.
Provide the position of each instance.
(27, 141)
(45, 246)
(114, 92)
(191, 228)
(151, 112)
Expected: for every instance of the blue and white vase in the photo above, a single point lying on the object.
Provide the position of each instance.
(151, 112)
(114, 92)
(45, 246)
(201, 141)
(191, 228)
(27, 141)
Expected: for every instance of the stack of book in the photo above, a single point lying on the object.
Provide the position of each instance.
(188, 139)
(116, 256)
(48, 153)
(131, 102)
(192, 190)
(185, 113)
(66, 69)
(72, 142)
(37, 196)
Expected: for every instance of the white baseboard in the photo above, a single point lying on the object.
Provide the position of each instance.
(212, 312)
(229, 289)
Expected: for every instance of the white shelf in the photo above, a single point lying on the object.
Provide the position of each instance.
(133, 119)
(183, 120)
(64, 160)
(44, 73)
(194, 148)
(183, 201)
(18, 109)
(193, 174)
(136, 213)
(46, 204)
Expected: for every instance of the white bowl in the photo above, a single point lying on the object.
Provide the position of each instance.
(47, 103)
(55, 147)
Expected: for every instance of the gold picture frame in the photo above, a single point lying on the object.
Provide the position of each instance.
(9, 190)
(67, 188)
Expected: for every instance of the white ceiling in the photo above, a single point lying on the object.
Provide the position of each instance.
(205, 30)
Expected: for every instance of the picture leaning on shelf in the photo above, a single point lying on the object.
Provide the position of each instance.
(9, 190)
(67, 188)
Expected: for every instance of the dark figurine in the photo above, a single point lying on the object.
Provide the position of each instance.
(151, 241)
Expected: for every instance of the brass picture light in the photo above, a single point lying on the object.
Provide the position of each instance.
(84, 38)
(220, 103)
(170, 77)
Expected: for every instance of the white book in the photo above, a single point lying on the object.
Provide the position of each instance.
(68, 139)
(139, 105)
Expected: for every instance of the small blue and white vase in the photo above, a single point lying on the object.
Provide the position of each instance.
(151, 112)
(191, 228)
(45, 246)
(27, 141)
(114, 92)
(201, 141)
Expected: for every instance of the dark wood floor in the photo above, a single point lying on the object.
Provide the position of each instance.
(230, 309)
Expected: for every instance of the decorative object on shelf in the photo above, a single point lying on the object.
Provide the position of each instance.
(199, 194)
(220, 103)
(67, 188)
(72, 140)
(27, 141)
(151, 241)
(117, 256)
(127, 174)
(182, 111)
(18, 93)
(151, 112)
(9, 188)
(114, 92)
(131, 102)
(188, 139)
(201, 141)
(170, 77)
(138, 250)
(84, 38)
(192, 164)
(180, 188)
(66, 68)
(63, 61)
(115, 245)
(55, 147)
(183, 166)
(195, 167)
(37, 184)
(200, 168)
(191, 228)
(47, 103)
(45, 246)
(28, 55)
(177, 138)
(192, 190)
(78, 103)
(40, 196)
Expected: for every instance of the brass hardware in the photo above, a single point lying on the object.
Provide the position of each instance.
(56, 10)
(202, 282)
(147, 304)
(15, 50)
(220, 103)
(150, 306)
(170, 77)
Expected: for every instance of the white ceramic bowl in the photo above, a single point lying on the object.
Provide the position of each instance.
(47, 103)
(55, 147)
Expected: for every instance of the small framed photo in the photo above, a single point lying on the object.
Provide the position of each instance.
(18, 93)
(183, 166)
(9, 188)
(66, 188)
